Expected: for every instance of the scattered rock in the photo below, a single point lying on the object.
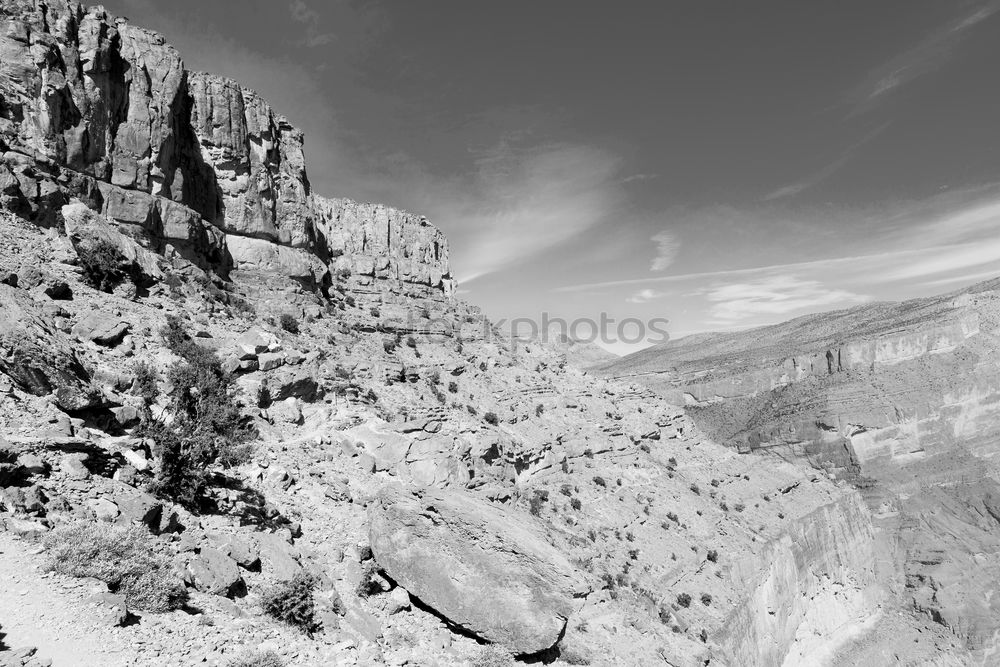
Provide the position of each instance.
(214, 572)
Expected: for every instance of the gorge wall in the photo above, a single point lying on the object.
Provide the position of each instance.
(903, 400)
(94, 108)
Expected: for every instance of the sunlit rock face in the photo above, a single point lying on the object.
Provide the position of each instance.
(903, 399)
(96, 109)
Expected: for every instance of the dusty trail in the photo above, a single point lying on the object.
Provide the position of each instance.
(49, 612)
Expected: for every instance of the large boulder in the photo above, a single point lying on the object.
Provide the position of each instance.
(485, 568)
(216, 573)
(39, 357)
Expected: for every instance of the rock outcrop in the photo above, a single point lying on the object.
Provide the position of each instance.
(481, 566)
(38, 356)
(96, 109)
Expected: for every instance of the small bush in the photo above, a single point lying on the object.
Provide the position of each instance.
(101, 264)
(288, 323)
(491, 418)
(599, 481)
(128, 559)
(492, 655)
(575, 503)
(706, 599)
(539, 409)
(537, 501)
(257, 659)
(292, 602)
(684, 600)
(411, 342)
(453, 387)
(145, 381)
(207, 425)
(739, 507)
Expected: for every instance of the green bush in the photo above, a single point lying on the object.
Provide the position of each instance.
(288, 323)
(101, 264)
(207, 425)
(128, 559)
(257, 659)
(292, 602)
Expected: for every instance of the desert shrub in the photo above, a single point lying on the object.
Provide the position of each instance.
(575, 503)
(537, 501)
(389, 345)
(257, 659)
(706, 599)
(288, 323)
(207, 425)
(713, 555)
(695, 490)
(370, 582)
(374, 312)
(292, 602)
(539, 409)
(350, 301)
(491, 418)
(453, 387)
(128, 559)
(599, 481)
(492, 655)
(101, 265)
(684, 600)
(145, 381)
(739, 507)
(589, 453)
(411, 342)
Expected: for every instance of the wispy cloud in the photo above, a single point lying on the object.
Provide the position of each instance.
(827, 171)
(525, 201)
(778, 295)
(667, 247)
(644, 295)
(304, 14)
(928, 239)
(933, 51)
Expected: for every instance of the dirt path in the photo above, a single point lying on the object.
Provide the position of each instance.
(47, 611)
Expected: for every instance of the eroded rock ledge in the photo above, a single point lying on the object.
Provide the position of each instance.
(94, 108)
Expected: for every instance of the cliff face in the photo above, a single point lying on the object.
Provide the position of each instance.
(904, 399)
(94, 108)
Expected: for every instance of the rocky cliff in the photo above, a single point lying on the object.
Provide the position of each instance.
(94, 108)
(900, 398)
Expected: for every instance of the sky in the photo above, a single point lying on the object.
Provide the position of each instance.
(716, 164)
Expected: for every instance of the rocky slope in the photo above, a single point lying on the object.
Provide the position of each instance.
(447, 490)
(901, 399)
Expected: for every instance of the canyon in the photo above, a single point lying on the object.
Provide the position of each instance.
(901, 400)
(455, 495)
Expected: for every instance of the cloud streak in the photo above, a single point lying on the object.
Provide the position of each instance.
(777, 295)
(928, 55)
(667, 247)
(826, 172)
(524, 201)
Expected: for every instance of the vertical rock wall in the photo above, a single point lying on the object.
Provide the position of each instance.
(94, 108)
